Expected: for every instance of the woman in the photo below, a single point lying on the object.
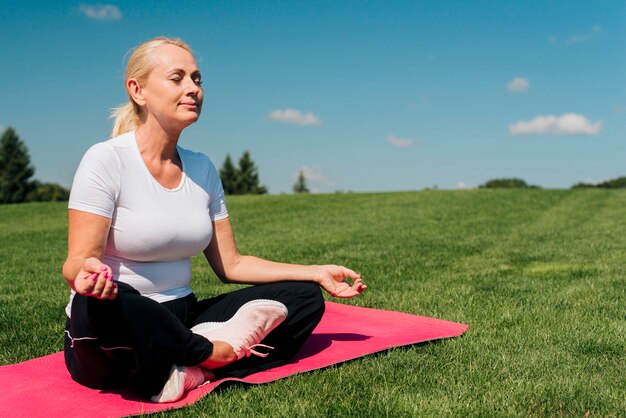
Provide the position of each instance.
(140, 207)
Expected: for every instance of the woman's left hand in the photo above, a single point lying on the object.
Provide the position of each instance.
(332, 279)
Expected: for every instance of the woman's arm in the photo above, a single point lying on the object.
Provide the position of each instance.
(230, 266)
(83, 270)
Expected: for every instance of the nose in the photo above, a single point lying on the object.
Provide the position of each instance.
(193, 89)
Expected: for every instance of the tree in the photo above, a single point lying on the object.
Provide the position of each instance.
(228, 174)
(15, 168)
(512, 183)
(241, 180)
(248, 177)
(300, 185)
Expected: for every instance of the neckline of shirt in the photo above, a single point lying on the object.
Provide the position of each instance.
(149, 174)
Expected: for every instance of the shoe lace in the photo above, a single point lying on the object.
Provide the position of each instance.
(248, 351)
(249, 347)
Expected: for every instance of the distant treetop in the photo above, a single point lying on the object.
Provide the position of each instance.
(300, 185)
(512, 183)
(618, 183)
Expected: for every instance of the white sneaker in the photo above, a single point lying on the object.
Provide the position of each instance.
(181, 380)
(247, 328)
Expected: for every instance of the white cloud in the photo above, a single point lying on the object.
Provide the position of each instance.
(462, 185)
(518, 85)
(399, 142)
(595, 32)
(294, 116)
(567, 124)
(591, 34)
(101, 11)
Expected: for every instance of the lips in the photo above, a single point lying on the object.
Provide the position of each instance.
(189, 104)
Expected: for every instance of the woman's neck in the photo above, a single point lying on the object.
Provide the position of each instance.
(155, 143)
(158, 151)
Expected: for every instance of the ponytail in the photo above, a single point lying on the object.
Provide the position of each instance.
(125, 118)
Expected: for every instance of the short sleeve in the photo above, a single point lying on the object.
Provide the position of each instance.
(96, 183)
(217, 205)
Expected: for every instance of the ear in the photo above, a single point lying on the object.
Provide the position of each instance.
(135, 91)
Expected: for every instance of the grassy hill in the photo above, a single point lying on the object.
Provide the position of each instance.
(537, 274)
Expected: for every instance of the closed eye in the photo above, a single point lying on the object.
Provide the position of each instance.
(197, 78)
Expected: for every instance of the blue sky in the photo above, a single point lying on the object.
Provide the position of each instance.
(361, 95)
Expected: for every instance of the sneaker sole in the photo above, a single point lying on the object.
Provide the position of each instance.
(205, 327)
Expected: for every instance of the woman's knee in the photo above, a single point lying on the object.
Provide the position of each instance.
(307, 291)
(314, 292)
(307, 298)
(308, 288)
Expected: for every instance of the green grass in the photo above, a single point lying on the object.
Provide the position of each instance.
(537, 274)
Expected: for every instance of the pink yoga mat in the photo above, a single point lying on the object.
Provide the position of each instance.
(42, 387)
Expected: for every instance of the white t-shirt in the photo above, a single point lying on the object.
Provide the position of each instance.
(154, 230)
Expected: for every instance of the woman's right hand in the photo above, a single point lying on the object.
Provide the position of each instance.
(95, 279)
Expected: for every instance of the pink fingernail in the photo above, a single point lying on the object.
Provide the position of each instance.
(106, 275)
(103, 267)
(94, 277)
(110, 278)
(115, 285)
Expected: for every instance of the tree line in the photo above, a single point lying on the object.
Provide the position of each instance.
(17, 185)
(618, 183)
(516, 183)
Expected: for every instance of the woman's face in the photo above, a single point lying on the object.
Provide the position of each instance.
(172, 93)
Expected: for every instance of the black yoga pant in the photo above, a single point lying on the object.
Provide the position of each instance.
(134, 341)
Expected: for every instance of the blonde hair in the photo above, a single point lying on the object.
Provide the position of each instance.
(141, 62)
